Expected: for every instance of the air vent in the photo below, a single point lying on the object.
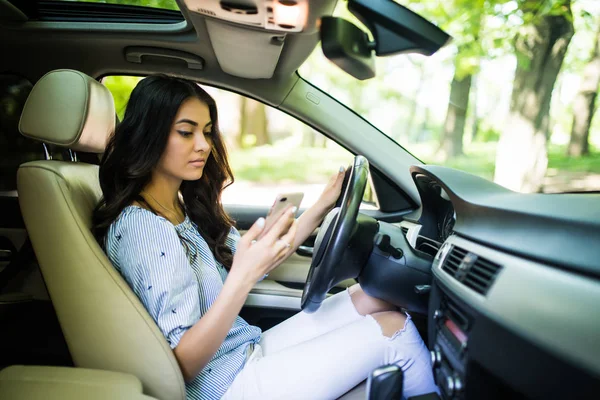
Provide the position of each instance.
(457, 315)
(477, 273)
(404, 230)
(453, 260)
(427, 245)
(481, 275)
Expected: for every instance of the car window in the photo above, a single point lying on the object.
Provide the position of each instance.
(270, 152)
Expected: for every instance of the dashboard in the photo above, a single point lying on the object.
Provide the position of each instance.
(513, 308)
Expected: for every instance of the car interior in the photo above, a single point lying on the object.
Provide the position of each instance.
(504, 287)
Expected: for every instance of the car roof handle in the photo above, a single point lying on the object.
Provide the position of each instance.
(135, 54)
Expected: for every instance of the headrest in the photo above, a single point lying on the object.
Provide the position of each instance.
(69, 109)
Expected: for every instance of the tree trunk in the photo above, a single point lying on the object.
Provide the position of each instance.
(476, 120)
(456, 117)
(253, 121)
(451, 144)
(259, 123)
(239, 139)
(522, 154)
(585, 104)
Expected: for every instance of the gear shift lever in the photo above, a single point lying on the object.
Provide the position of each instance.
(385, 383)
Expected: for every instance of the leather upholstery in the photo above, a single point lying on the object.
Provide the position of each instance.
(18, 382)
(70, 109)
(104, 324)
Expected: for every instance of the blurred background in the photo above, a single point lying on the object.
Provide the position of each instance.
(511, 98)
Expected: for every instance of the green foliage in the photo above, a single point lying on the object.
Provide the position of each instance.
(558, 160)
(165, 4)
(476, 26)
(586, 25)
(121, 87)
(487, 134)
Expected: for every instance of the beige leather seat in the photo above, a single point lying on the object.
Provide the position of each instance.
(59, 383)
(104, 324)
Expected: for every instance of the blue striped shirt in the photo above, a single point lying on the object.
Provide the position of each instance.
(177, 286)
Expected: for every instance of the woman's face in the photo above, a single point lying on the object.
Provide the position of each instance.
(189, 144)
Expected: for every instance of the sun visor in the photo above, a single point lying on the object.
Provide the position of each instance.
(243, 52)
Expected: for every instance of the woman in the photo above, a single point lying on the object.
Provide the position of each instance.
(164, 228)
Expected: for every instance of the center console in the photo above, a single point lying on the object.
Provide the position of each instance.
(449, 325)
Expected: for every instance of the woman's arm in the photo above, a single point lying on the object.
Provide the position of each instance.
(312, 218)
(200, 343)
(251, 261)
(308, 222)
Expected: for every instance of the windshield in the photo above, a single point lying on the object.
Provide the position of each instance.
(511, 98)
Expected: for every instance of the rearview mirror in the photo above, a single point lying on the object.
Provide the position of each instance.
(348, 47)
(395, 30)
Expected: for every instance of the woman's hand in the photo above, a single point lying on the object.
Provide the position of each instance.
(253, 259)
(331, 192)
(256, 257)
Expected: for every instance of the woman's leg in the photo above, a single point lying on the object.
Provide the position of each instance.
(329, 365)
(366, 304)
(336, 311)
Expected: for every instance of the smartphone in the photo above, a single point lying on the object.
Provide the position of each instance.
(282, 202)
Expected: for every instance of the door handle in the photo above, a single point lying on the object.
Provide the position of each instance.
(305, 251)
(134, 54)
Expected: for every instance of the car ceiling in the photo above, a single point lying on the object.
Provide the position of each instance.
(33, 48)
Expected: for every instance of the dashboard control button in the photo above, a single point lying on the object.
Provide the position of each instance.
(449, 385)
(458, 385)
(422, 289)
(436, 358)
(452, 385)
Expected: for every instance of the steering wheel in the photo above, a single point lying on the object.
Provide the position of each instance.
(326, 269)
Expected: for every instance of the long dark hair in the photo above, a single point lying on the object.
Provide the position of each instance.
(136, 147)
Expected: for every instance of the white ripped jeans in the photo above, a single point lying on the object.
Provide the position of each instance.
(325, 354)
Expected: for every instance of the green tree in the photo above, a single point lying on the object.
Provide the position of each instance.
(540, 46)
(466, 64)
(465, 20)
